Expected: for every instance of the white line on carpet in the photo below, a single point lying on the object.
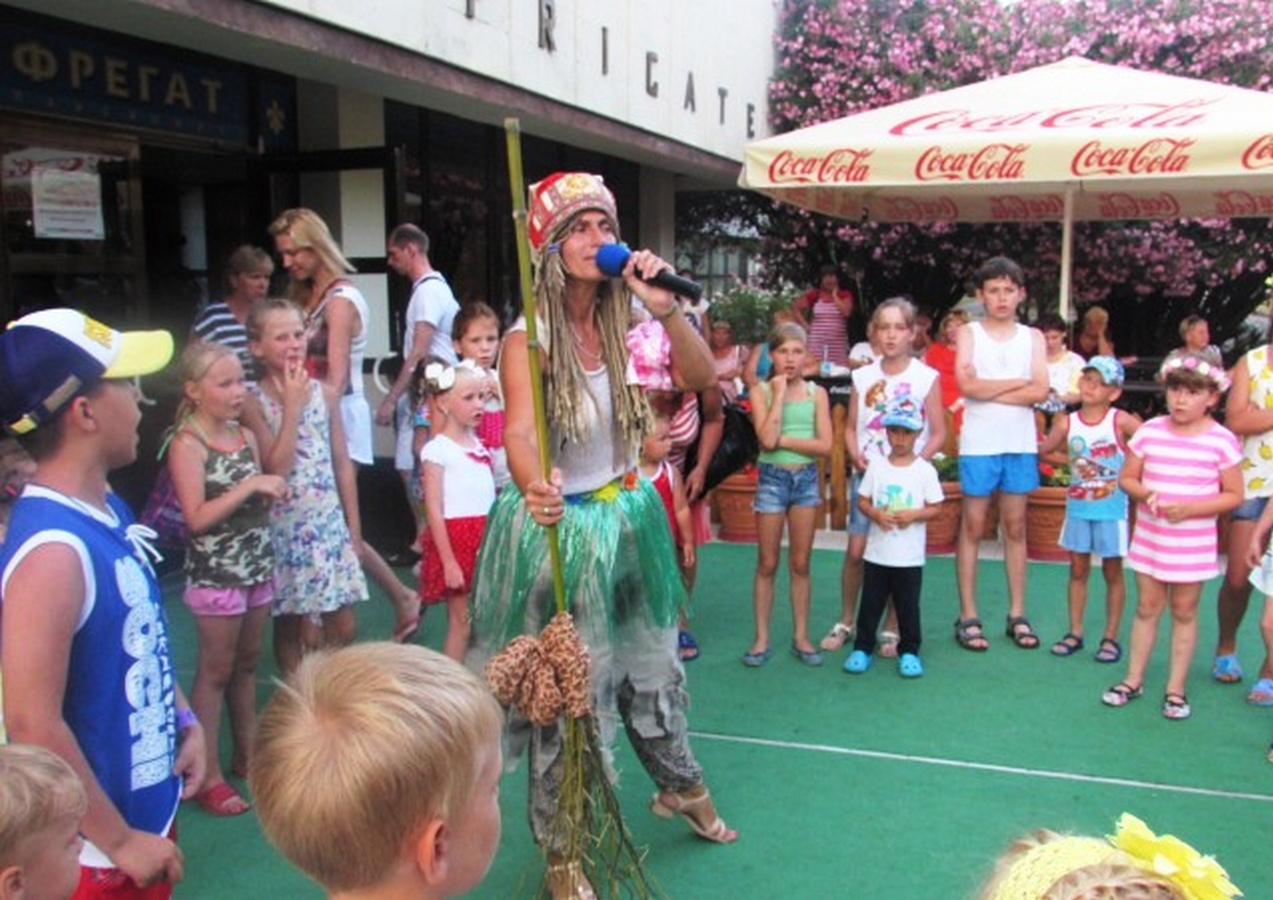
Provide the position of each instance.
(984, 767)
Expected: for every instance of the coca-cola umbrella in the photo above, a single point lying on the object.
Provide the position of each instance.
(1070, 141)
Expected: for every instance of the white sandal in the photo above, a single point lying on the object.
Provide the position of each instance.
(887, 644)
(839, 635)
(716, 830)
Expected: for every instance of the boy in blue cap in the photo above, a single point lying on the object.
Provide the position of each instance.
(898, 494)
(84, 643)
(1095, 437)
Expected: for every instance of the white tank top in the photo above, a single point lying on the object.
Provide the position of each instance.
(586, 464)
(991, 427)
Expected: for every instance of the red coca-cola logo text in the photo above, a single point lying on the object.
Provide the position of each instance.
(1160, 156)
(1138, 206)
(994, 162)
(845, 165)
(1240, 204)
(1260, 154)
(1009, 208)
(911, 209)
(1103, 115)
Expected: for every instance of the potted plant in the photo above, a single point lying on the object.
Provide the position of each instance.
(732, 500)
(749, 310)
(1045, 514)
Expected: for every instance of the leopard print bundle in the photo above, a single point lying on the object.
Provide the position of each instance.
(568, 656)
(545, 676)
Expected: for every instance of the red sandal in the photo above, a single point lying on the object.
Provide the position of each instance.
(221, 799)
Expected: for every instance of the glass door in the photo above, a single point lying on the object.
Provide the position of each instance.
(70, 208)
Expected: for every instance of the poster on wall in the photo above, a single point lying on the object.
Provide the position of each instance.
(67, 203)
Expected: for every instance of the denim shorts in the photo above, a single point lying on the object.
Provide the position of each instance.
(858, 522)
(1012, 473)
(1250, 509)
(1107, 539)
(779, 489)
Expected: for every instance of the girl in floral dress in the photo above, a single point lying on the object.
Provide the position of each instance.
(297, 423)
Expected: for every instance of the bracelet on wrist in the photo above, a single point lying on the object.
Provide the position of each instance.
(676, 307)
(186, 719)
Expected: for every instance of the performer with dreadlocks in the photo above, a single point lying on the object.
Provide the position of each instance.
(621, 579)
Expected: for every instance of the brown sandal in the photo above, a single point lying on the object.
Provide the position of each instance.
(694, 809)
(1022, 633)
(975, 641)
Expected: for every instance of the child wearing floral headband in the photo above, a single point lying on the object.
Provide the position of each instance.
(1133, 864)
(459, 488)
(1182, 471)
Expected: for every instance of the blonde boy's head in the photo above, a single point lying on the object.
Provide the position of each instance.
(41, 800)
(360, 750)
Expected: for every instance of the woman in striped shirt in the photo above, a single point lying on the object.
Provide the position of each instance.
(824, 312)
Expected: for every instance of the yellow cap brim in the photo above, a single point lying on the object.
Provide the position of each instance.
(140, 353)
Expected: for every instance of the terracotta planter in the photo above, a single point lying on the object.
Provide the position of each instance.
(1044, 517)
(942, 534)
(732, 499)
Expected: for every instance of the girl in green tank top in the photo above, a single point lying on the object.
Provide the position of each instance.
(793, 421)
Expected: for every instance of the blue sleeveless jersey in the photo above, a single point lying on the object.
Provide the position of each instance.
(120, 688)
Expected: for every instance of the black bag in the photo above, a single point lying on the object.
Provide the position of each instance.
(739, 447)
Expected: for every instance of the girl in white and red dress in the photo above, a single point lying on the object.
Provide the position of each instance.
(459, 488)
(475, 336)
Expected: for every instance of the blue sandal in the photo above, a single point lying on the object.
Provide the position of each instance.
(858, 662)
(1226, 669)
(909, 666)
(808, 657)
(1111, 651)
(686, 646)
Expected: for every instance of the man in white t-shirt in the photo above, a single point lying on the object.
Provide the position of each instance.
(426, 334)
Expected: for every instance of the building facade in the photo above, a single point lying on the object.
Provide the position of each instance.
(143, 140)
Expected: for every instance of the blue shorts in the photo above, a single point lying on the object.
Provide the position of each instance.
(1107, 539)
(858, 522)
(1250, 510)
(1012, 473)
(779, 489)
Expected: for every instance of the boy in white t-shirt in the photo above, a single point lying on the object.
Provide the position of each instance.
(899, 495)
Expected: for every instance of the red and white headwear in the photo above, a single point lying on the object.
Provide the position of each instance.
(556, 199)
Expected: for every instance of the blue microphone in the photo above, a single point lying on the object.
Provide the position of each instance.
(611, 258)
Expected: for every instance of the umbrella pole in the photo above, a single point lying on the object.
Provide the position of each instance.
(1067, 254)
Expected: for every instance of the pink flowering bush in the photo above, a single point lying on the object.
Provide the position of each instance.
(837, 57)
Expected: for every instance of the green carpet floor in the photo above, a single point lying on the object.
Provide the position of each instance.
(872, 786)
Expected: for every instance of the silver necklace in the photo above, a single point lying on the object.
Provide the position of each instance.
(594, 355)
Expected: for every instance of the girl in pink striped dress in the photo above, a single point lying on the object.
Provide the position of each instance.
(1182, 471)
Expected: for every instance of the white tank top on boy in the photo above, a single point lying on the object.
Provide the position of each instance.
(991, 427)
(1096, 460)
